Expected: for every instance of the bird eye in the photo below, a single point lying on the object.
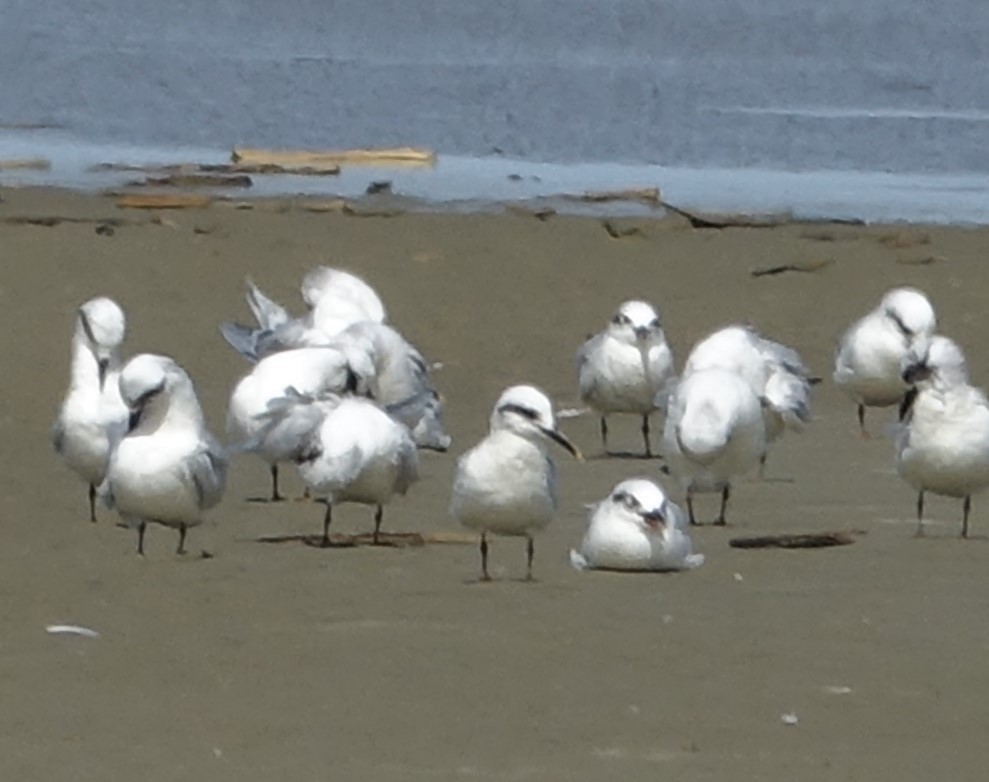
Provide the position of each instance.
(627, 500)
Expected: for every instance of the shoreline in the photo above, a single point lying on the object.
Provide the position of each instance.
(461, 184)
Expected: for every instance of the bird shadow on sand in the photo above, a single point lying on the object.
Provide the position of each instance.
(627, 455)
(270, 501)
(385, 539)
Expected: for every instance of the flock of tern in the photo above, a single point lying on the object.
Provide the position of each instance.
(345, 398)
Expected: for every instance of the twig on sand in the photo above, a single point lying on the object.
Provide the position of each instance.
(798, 266)
(800, 540)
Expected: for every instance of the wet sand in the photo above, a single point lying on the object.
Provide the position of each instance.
(395, 664)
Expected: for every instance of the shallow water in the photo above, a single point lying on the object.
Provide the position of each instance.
(889, 87)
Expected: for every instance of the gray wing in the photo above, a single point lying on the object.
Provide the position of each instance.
(291, 427)
(289, 335)
(786, 356)
(408, 467)
(243, 339)
(584, 351)
(269, 314)
(207, 468)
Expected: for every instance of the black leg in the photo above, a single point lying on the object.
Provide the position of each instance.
(920, 515)
(140, 537)
(181, 548)
(530, 551)
(725, 493)
(275, 495)
(92, 502)
(762, 466)
(484, 557)
(326, 523)
(604, 434)
(862, 429)
(645, 435)
(965, 509)
(690, 507)
(378, 514)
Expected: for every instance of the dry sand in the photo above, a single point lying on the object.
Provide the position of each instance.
(284, 661)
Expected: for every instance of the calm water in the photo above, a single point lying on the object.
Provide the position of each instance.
(893, 86)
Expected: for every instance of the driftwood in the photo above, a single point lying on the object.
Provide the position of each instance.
(221, 168)
(163, 201)
(925, 260)
(50, 221)
(25, 164)
(804, 540)
(799, 266)
(196, 180)
(408, 156)
(616, 231)
(541, 213)
(648, 195)
(727, 221)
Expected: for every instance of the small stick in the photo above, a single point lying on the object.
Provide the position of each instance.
(806, 540)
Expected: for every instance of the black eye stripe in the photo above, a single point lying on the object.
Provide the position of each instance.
(85, 326)
(893, 316)
(144, 398)
(525, 412)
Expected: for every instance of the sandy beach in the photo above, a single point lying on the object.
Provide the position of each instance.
(371, 664)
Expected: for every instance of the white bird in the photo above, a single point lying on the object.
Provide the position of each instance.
(942, 443)
(402, 384)
(714, 432)
(347, 314)
(168, 469)
(776, 373)
(93, 416)
(350, 451)
(336, 299)
(623, 368)
(637, 527)
(867, 366)
(506, 484)
(313, 372)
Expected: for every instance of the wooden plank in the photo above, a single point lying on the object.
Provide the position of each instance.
(325, 169)
(163, 201)
(314, 158)
(198, 180)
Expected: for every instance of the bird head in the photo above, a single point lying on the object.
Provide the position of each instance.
(527, 412)
(640, 502)
(636, 323)
(102, 325)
